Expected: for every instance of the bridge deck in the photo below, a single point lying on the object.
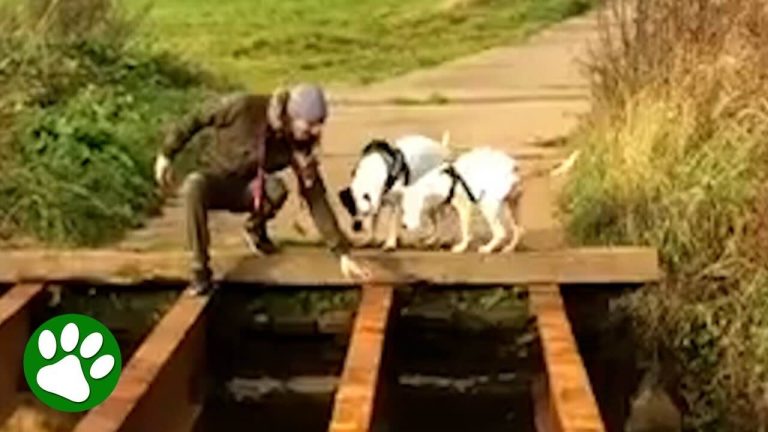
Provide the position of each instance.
(316, 267)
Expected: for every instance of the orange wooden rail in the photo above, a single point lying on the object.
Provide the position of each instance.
(571, 400)
(356, 395)
(14, 332)
(160, 388)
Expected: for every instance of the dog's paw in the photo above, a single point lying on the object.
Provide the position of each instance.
(389, 246)
(486, 249)
(430, 243)
(510, 248)
(460, 248)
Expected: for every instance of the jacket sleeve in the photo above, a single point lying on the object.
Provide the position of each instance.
(187, 127)
(313, 191)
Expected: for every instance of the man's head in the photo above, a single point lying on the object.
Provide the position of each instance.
(306, 109)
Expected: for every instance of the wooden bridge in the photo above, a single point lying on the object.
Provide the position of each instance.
(159, 389)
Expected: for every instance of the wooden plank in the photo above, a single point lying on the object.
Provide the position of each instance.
(355, 397)
(14, 332)
(545, 417)
(321, 268)
(570, 391)
(160, 388)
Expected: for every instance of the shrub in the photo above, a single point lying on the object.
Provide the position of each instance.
(675, 157)
(81, 109)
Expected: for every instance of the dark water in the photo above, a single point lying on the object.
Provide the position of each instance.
(444, 369)
(128, 312)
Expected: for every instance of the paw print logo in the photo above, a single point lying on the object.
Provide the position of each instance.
(72, 363)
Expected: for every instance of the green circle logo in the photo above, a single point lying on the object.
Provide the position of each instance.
(72, 363)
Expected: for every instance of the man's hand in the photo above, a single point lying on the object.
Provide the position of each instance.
(163, 171)
(353, 270)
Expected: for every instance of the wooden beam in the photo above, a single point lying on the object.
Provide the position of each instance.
(317, 267)
(356, 395)
(160, 388)
(14, 332)
(544, 415)
(570, 391)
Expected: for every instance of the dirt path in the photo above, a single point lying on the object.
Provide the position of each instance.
(509, 97)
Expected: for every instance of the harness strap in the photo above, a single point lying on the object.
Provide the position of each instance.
(457, 179)
(395, 160)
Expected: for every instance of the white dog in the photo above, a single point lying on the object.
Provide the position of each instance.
(484, 177)
(383, 173)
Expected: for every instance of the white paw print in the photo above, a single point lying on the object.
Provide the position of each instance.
(66, 378)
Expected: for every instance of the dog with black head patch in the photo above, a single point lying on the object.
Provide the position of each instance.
(380, 176)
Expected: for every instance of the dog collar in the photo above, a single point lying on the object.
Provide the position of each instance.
(457, 179)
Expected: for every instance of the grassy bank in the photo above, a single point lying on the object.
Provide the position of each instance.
(351, 41)
(82, 107)
(675, 156)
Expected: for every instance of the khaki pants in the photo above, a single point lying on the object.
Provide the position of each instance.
(203, 192)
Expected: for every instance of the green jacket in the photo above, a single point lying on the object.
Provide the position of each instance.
(245, 143)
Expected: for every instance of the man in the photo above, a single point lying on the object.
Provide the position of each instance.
(255, 136)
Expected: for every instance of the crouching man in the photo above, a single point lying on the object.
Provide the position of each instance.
(255, 137)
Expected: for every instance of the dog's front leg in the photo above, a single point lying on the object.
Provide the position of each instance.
(464, 209)
(390, 243)
(373, 222)
(430, 240)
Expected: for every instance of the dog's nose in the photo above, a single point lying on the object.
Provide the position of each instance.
(357, 226)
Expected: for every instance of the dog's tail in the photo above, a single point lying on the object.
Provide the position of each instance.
(446, 140)
(567, 164)
(559, 170)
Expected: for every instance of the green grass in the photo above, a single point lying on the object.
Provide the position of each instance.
(263, 43)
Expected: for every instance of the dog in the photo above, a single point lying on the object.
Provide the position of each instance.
(482, 177)
(381, 175)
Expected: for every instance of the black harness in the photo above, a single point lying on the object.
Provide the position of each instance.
(395, 160)
(457, 179)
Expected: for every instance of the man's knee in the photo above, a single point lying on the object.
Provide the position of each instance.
(193, 189)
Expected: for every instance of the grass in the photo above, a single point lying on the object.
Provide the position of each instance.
(675, 156)
(264, 43)
(83, 109)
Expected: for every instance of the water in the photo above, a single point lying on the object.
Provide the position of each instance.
(444, 368)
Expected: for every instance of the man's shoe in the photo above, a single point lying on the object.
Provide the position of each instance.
(202, 284)
(259, 242)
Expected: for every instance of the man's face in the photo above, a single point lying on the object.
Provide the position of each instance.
(304, 131)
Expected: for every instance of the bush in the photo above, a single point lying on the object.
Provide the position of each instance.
(675, 157)
(81, 108)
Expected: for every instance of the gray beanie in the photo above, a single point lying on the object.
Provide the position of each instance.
(307, 102)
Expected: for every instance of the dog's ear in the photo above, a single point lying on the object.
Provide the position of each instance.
(345, 196)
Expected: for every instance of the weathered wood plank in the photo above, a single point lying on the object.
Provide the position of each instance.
(160, 389)
(570, 391)
(14, 332)
(316, 267)
(355, 397)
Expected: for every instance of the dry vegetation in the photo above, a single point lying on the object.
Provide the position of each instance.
(676, 156)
